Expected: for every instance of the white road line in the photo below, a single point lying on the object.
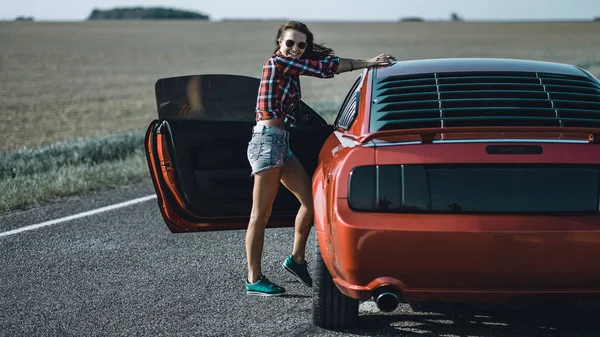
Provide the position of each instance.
(80, 215)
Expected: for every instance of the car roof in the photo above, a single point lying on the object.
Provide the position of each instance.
(425, 66)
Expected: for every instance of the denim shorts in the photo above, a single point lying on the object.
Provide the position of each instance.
(268, 148)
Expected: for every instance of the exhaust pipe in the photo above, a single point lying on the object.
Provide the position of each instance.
(386, 299)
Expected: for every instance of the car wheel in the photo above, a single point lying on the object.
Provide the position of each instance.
(331, 308)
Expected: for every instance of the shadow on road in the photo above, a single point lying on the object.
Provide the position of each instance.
(566, 319)
(295, 296)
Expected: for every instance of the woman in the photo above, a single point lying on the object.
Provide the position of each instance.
(268, 151)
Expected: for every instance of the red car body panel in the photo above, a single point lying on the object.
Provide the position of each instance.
(433, 256)
(456, 257)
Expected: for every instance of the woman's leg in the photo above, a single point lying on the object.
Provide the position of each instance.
(266, 185)
(295, 179)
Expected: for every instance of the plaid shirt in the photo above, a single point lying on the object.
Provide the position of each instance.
(279, 91)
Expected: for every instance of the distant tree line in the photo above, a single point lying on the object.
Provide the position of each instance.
(141, 13)
(412, 19)
(455, 17)
(24, 18)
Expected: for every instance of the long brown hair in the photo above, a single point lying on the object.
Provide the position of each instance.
(313, 50)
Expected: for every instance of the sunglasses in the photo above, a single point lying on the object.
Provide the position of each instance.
(290, 44)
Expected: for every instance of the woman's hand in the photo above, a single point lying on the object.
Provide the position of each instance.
(381, 59)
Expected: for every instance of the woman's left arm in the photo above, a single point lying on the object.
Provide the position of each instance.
(291, 66)
(354, 64)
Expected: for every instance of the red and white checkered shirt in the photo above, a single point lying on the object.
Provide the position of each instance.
(279, 91)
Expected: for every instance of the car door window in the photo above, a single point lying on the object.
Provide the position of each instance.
(207, 97)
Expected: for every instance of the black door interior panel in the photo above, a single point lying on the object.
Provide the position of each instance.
(213, 173)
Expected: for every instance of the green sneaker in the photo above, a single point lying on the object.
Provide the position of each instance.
(264, 287)
(299, 271)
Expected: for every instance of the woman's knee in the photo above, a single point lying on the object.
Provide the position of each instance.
(307, 208)
(306, 201)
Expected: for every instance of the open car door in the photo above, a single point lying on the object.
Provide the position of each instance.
(196, 152)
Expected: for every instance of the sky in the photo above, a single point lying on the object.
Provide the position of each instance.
(319, 10)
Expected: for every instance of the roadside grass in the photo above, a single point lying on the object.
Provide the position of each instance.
(33, 176)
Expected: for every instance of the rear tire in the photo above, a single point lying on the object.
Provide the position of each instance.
(331, 308)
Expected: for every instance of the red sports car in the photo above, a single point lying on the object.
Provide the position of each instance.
(458, 180)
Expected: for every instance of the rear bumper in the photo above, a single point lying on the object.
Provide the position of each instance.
(464, 258)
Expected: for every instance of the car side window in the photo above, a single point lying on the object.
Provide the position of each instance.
(349, 108)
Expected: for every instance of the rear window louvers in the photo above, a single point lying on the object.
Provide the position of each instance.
(484, 99)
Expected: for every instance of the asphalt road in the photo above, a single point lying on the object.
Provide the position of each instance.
(122, 273)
